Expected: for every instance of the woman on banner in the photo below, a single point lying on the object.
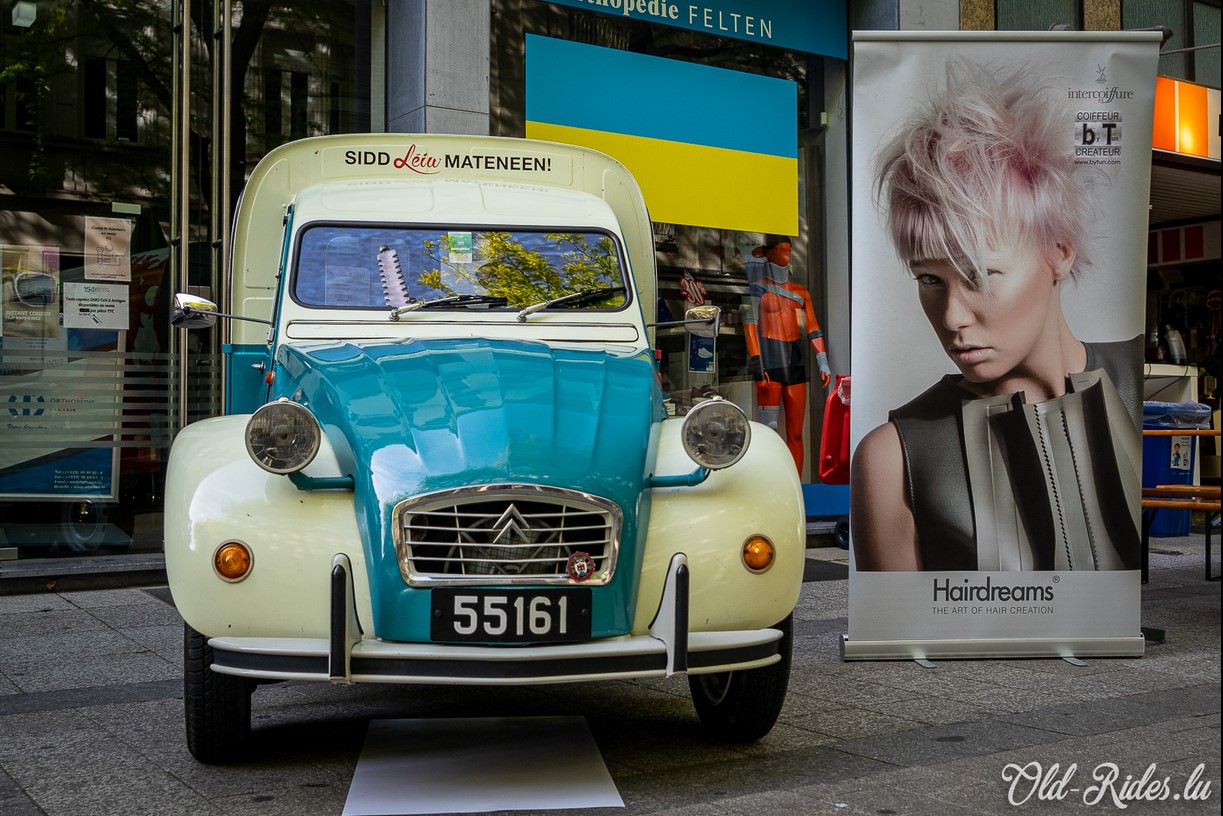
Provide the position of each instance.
(1028, 458)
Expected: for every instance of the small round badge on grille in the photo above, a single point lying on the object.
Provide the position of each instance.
(580, 566)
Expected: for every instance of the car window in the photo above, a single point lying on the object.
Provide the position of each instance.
(380, 267)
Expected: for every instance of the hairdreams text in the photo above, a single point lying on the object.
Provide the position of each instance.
(944, 591)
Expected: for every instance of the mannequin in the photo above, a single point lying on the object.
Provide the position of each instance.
(780, 316)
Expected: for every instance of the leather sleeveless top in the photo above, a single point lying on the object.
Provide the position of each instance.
(1062, 526)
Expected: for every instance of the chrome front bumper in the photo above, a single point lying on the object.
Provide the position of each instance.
(346, 657)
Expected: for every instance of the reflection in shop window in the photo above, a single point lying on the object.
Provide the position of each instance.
(698, 265)
(272, 128)
(299, 84)
(27, 105)
(126, 105)
(110, 104)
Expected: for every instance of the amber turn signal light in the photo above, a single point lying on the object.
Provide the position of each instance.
(758, 553)
(233, 561)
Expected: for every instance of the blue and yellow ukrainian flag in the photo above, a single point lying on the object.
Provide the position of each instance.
(710, 147)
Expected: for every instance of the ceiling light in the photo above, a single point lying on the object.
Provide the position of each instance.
(24, 13)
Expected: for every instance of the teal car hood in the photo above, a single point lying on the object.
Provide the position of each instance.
(426, 415)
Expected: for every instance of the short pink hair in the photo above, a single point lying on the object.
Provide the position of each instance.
(988, 162)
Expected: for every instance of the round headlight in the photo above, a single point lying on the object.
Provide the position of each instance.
(282, 437)
(716, 433)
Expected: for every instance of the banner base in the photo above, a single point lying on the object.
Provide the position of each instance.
(991, 648)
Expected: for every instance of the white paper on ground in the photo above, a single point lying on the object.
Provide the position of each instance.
(473, 765)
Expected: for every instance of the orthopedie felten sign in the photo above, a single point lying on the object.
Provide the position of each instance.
(815, 26)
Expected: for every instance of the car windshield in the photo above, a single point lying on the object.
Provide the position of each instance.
(346, 266)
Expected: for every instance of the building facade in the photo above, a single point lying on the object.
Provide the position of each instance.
(127, 129)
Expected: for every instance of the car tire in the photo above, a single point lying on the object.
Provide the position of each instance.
(742, 706)
(217, 706)
(840, 533)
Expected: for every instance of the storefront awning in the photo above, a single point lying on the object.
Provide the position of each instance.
(1183, 189)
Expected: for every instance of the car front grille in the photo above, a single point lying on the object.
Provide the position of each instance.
(506, 534)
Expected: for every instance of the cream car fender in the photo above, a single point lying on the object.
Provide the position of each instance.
(216, 494)
(709, 523)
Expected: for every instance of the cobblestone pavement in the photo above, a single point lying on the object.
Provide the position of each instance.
(91, 719)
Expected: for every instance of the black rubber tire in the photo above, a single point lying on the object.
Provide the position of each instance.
(217, 706)
(743, 706)
(840, 533)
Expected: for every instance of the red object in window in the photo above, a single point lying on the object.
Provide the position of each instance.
(834, 441)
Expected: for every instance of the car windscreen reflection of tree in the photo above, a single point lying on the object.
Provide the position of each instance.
(374, 267)
(527, 268)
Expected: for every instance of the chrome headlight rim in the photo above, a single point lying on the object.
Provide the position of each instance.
(697, 424)
(307, 447)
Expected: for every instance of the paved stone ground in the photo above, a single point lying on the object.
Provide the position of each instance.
(91, 718)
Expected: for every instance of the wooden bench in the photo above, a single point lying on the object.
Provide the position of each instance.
(1178, 497)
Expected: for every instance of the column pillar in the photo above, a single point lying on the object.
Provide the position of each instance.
(437, 59)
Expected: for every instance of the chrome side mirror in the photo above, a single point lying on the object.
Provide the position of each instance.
(703, 321)
(192, 312)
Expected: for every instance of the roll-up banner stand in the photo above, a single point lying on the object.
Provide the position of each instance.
(1000, 187)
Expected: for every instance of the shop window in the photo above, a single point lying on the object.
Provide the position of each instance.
(272, 128)
(27, 105)
(334, 112)
(18, 104)
(698, 265)
(695, 263)
(274, 93)
(126, 106)
(17, 100)
(299, 84)
(101, 120)
(93, 105)
(95, 490)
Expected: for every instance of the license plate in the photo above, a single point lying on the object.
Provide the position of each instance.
(510, 615)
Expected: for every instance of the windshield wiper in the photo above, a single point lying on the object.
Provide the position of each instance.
(572, 299)
(454, 300)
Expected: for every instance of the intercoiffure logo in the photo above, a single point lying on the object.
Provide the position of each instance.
(987, 592)
(1101, 95)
